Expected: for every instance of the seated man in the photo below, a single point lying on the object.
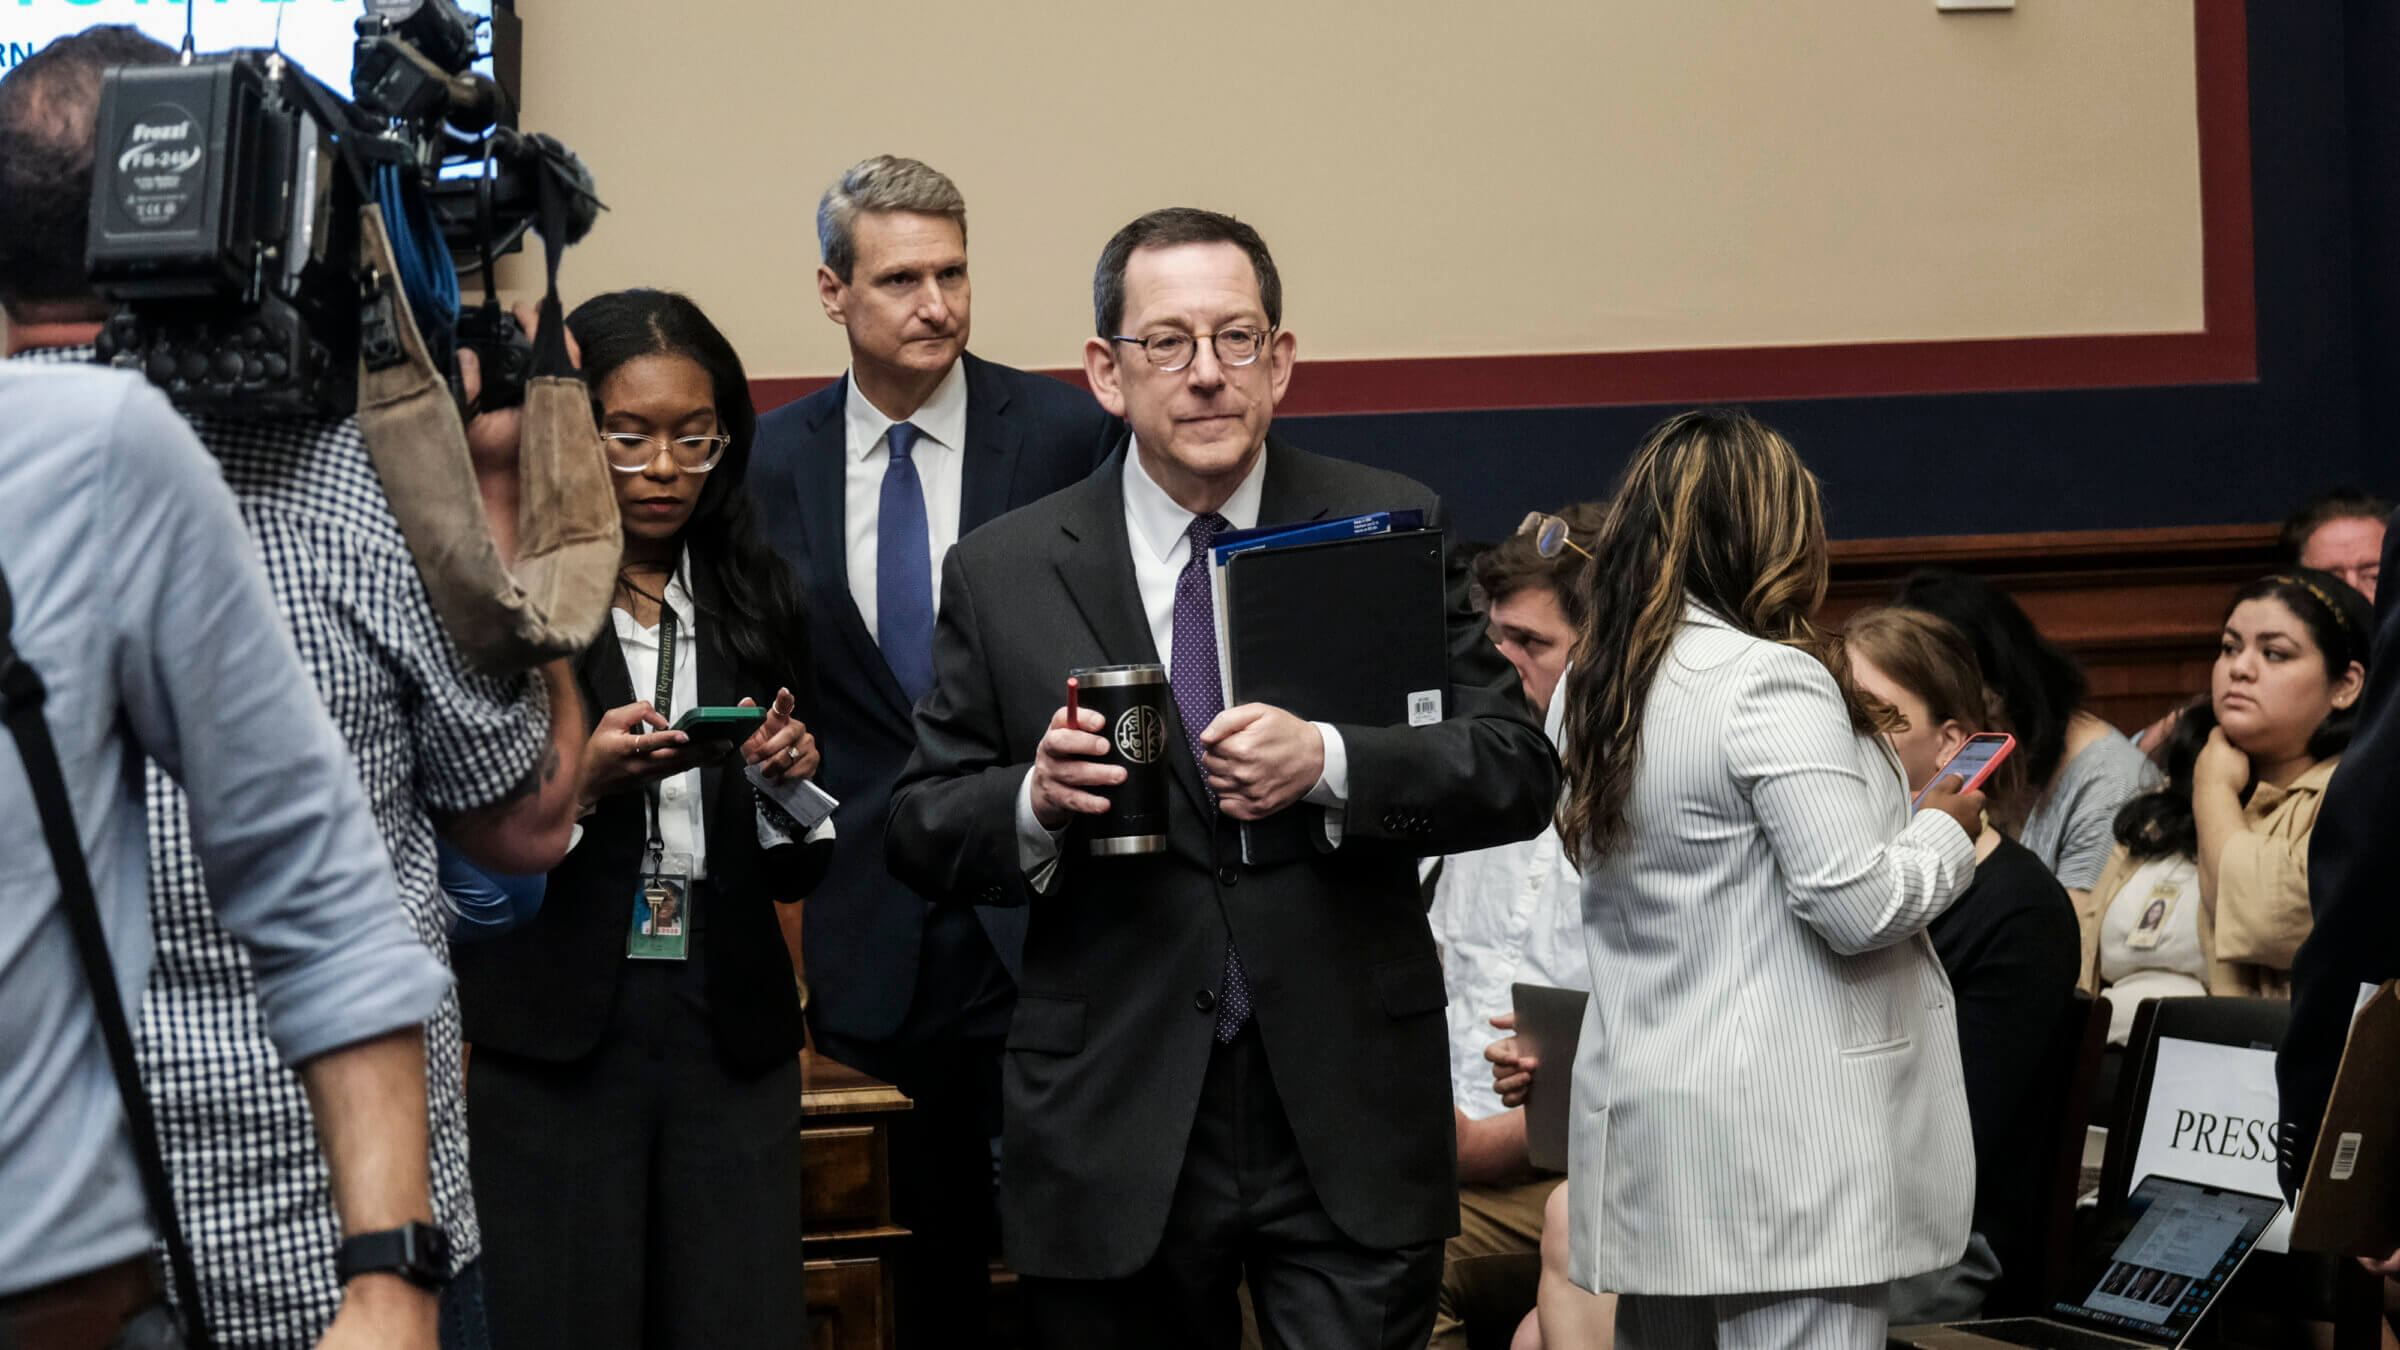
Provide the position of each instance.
(2340, 531)
(1504, 916)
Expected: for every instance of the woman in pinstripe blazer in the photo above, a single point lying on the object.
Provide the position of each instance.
(1770, 1124)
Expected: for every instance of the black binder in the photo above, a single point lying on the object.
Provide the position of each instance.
(1351, 631)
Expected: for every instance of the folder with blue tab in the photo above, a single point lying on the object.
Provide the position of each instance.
(1340, 621)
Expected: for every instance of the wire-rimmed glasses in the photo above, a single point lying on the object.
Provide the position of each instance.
(632, 452)
(1236, 346)
(1549, 534)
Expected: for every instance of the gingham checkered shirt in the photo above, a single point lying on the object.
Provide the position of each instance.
(428, 736)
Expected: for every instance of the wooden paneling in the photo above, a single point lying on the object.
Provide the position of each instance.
(849, 1244)
(2139, 608)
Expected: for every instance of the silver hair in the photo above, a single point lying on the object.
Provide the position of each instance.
(882, 183)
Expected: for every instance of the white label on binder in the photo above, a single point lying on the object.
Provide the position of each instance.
(2345, 1156)
(1425, 707)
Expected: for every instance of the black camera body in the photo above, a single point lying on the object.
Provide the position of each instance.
(219, 218)
(225, 205)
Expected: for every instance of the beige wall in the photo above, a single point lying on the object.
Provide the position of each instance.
(1436, 179)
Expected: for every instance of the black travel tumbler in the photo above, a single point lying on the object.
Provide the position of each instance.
(1133, 700)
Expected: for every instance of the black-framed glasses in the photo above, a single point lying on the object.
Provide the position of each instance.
(1236, 346)
(632, 452)
(1549, 534)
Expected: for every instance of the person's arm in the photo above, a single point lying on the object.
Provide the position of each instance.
(369, 1104)
(1793, 753)
(1491, 1150)
(1485, 775)
(529, 829)
(2218, 778)
(212, 686)
(2262, 912)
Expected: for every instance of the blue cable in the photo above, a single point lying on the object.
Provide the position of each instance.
(426, 276)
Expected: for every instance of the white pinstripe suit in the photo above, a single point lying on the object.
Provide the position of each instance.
(1768, 1095)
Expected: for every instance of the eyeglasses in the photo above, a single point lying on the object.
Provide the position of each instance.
(1549, 534)
(1173, 351)
(632, 452)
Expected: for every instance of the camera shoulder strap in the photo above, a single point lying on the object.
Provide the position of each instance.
(24, 694)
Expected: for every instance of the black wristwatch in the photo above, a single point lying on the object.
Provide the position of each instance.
(416, 1252)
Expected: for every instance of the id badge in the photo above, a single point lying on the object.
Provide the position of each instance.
(662, 909)
(2152, 927)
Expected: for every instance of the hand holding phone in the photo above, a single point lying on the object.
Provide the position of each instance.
(720, 724)
(1974, 763)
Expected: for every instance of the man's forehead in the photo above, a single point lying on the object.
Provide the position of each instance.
(1191, 280)
(914, 235)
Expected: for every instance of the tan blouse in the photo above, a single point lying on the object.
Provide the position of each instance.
(2262, 893)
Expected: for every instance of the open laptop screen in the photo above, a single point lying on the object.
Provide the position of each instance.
(2172, 1250)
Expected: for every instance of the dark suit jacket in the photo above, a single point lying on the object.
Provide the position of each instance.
(1027, 436)
(1114, 1023)
(545, 990)
(2353, 874)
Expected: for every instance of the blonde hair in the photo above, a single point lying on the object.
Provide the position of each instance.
(1928, 656)
(1716, 509)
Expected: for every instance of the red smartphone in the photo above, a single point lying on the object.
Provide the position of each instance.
(1974, 761)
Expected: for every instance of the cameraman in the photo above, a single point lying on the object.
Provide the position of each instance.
(492, 762)
(141, 605)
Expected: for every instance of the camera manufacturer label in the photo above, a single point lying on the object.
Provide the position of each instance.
(158, 167)
(1141, 734)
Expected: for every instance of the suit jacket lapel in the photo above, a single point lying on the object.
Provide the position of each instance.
(1285, 498)
(990, 467)
(824, 499)
(1095, 564)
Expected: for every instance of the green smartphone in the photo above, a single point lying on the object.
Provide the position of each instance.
(720, 724)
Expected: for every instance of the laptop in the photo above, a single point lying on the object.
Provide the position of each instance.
(2148, 1282)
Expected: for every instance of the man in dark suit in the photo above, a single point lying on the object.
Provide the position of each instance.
(2353, 858)
(1216, 1071)
(913, 993)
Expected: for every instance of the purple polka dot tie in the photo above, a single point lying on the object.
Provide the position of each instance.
(1199, 697)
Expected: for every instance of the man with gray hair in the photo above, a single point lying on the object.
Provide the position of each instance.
(864, 486)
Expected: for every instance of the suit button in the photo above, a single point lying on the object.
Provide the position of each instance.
(1226, 876)
(1205, 1001)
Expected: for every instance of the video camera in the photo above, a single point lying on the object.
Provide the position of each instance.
(225, 215)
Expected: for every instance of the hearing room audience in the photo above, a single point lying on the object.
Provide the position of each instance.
(2008, 945)
(2207, 892)
(2078, 768)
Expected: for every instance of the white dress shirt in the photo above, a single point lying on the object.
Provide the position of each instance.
(1504, 916)
(940, 455)
(681, 807)
(1157, 531)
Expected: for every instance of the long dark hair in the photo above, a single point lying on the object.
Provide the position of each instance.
(2040, 687)
(764, 617)
(2158, 824)
(1716, 508)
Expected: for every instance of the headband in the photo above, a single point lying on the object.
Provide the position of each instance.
(2341, 619)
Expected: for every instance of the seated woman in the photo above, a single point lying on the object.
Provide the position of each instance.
(2207, 892)
(2079, 768)
(2008, 944)
(635, 1096)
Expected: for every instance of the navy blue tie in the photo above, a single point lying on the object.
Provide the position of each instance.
(904, 569)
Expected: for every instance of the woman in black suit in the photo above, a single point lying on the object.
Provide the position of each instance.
(634, 1101)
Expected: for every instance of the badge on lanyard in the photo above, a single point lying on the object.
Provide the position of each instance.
(662, 909)
(661, 924)
(2163, 899)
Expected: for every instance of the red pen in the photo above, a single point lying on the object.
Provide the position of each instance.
(1074, 708)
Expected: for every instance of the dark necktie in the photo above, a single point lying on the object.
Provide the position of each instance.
(1199, 697)
(904, 569)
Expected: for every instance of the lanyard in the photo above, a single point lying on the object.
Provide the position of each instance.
(665, 703)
